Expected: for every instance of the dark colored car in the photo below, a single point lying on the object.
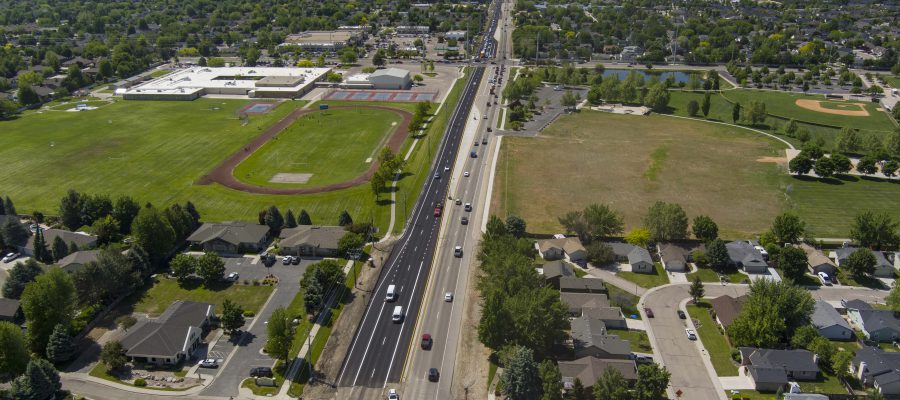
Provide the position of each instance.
(464, 220)
(681, 314)
(426, 341)
(295, 260)
(649, 312)
(433, 374)
(261, 371)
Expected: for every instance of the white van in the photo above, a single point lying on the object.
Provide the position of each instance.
(398, 314)
(391, 293)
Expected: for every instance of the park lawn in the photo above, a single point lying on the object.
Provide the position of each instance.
(624, 300)
(893, 81)
(333, 145)
(731, 173)
(708, 275)
(783, 104)
(823, 205)
(165, 291)
(72, 103)
(639, 341)
(659, 277)
(714, 341)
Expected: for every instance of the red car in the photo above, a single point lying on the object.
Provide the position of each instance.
(437, 212)
(426, 341)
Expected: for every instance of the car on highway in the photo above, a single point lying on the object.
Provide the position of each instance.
(446, 169)
(209, 363)
(457, 251)
(261, 372)
(437, 211)
(433, 374)
(448, 297)
(10, 256)
(649, 312)
(473, 154)
(681, 314)
(484, 140)
(426, 341)
(468, 207)
(458, 201)
(690, 334)
(466, 174)
(464, 220)
(397, 315)
(232, 277)
(392, 394)
(437, 175)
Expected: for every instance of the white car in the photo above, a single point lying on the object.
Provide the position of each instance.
(233, 277)
(446, 169)
(448, 297)
(824, 278)
(209, 363)
(690, 334)
(392, 394)
(466, 174)
(11, 256)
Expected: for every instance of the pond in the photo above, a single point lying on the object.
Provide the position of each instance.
(680, 76)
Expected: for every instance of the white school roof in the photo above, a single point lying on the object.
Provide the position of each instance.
(271, 79)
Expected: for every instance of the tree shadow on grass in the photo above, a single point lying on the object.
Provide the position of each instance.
(847, 178)
(831, 181)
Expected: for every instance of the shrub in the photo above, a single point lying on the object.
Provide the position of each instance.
(249, 314)
(140, 382)
(736, 355)
(255, 282)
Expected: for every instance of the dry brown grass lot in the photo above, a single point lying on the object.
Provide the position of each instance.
(630, 162)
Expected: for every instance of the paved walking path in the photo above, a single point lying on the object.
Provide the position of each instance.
(615, 280)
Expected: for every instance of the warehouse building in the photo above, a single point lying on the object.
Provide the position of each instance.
(382, 79)
(322, 41)
(254, 82)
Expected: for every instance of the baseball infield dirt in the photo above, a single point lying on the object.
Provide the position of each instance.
(815, 105)
(224, 173)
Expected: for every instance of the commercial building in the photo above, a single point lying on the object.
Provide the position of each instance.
(320, 41)
(255, 82)
(382, 79)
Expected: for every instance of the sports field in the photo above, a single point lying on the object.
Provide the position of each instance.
(322, 147)
(784, 104)
(631, 162)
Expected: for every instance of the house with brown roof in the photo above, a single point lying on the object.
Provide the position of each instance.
(576, 302)
(611, 317)
(771, 369)
(555, 270)
(818, 261)
(230, 237)
(675, 256)
(311, 240)
(172, 337)
(726, 309)
(10, 310)
(568, 248)
(573, 284)
(589, 369)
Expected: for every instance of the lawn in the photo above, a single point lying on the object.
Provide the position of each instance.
(624, 300)
(828, 207)
(866, 281)
(708, 275)
(250, 383)
(732, 172)
(333, 146)
(826, 384)
(659, 277)
(165, 291)
(100, 371)
(714, 341)
(639, 341)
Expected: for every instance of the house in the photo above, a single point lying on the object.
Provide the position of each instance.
(589, 369)
(818, 261)
(675, 256)
(884, 267)
(172, 337)
(568, 248)
(73, 262)
(876, 325)
(311, 240)
(640, 260)
(621, 250)
(576, 302)
(878, 368)
(10, 310)
(554, 270)
(391, 79)
(589, 338)
(571, 284)
(771, 369)
(830, 323)
(227, 238)
(742, 254)
(727, 308)
(610, 316)
(83, 240)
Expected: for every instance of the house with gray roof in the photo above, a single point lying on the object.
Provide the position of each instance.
(772, 368)
(621, 250)
(172, 337)
(311, 240)
(884, 264)
(878, 368)
(726, 309)
(640, 260)
(576, 302)
(830, 323)
(589, 369)
(589, 338)
(876, 325)
(10, 310)
(744, 255)
(611, 317)
(83, 240)
(555, 270)
(230, 237)
(572, 284)
(675, 256)
(73, 262)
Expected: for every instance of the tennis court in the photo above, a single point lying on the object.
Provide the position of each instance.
(381, 95)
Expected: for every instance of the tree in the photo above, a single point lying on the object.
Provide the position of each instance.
(125, 209)
(652, 382)
(41, 253)
(874, 230)
(304, 218)
(697, 291)
(60, 347)
(153, 233)
(578, 392)
(705, 228)
(232, 316)
(8, 206)
(183, 266)
(495, 320)
(801, 164)
(639, 237)
(657, 98)
(289, 220)
(59, 250)
(210, 268)
(70, 210)
(107, 230)
(13, 350)
(707, 102)
(666, 221)
(611, 386)
(344, 219)
(860, 263)
(602, 221)
(756, 113)
(823, 348)
(693, 108)
(841, 163)
(824, 168)
(39, 382)
(14, 233)
(792, 261)
(889, 168)
(515, 226)
(791, 128)
(20, 275)
(350, 242)
(274, 219)
(848, 141)
(893, 299)
(551, 380)
(600, 254)
(717, 254)
(771, 314)
(804, 336)
(495, 227)
(27, 96)
(736, 113)
(113, 355)
(840, 364)
(378, 58)
(520, 375)
(8, 109)
(788, 228)
(46, 302)
(313, 295)
(281, 332)
(867, 165)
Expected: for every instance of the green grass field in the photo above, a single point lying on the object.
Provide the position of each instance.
(713, 340)
(333, 146)
(637, 339)
(708, 275)
(165, 291)
(829, 207)
(659, 277)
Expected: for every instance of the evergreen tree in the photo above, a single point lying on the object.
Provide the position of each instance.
(520, 376)
(60, 347)
(13, 349)
(59, 250)
(736, 113)
(40, 248)
(697, 290)
(551, 380)
(2, 209)
(274, 219)
(20, 275)
(33, 385)
(70, 210)
(304, 218)
(8, 206)
(73, 247)
(289, 220)
(344, 219)
(707, 102)
(192, 211)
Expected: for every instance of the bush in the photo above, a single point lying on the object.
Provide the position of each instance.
(736, 355)
(249, 314)
(255, 282)
(140, 382)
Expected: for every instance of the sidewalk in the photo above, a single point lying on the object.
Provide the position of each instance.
(615, 280)
(128, 388)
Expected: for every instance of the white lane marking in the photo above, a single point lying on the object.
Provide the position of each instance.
(403, 325)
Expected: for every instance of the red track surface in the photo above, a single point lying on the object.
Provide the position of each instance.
(224, 173)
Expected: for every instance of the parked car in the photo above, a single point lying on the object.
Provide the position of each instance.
(681, 314)
(286, 260)
(295, 260)
(392, 394)
(426, 341)
(233, 277)
(261, 372)
(209, 363)
(11, 256)
(690, 334)
(649, 312)
(826, 280)
(433, 374)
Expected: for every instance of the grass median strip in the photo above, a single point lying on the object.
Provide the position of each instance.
(714, 341)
